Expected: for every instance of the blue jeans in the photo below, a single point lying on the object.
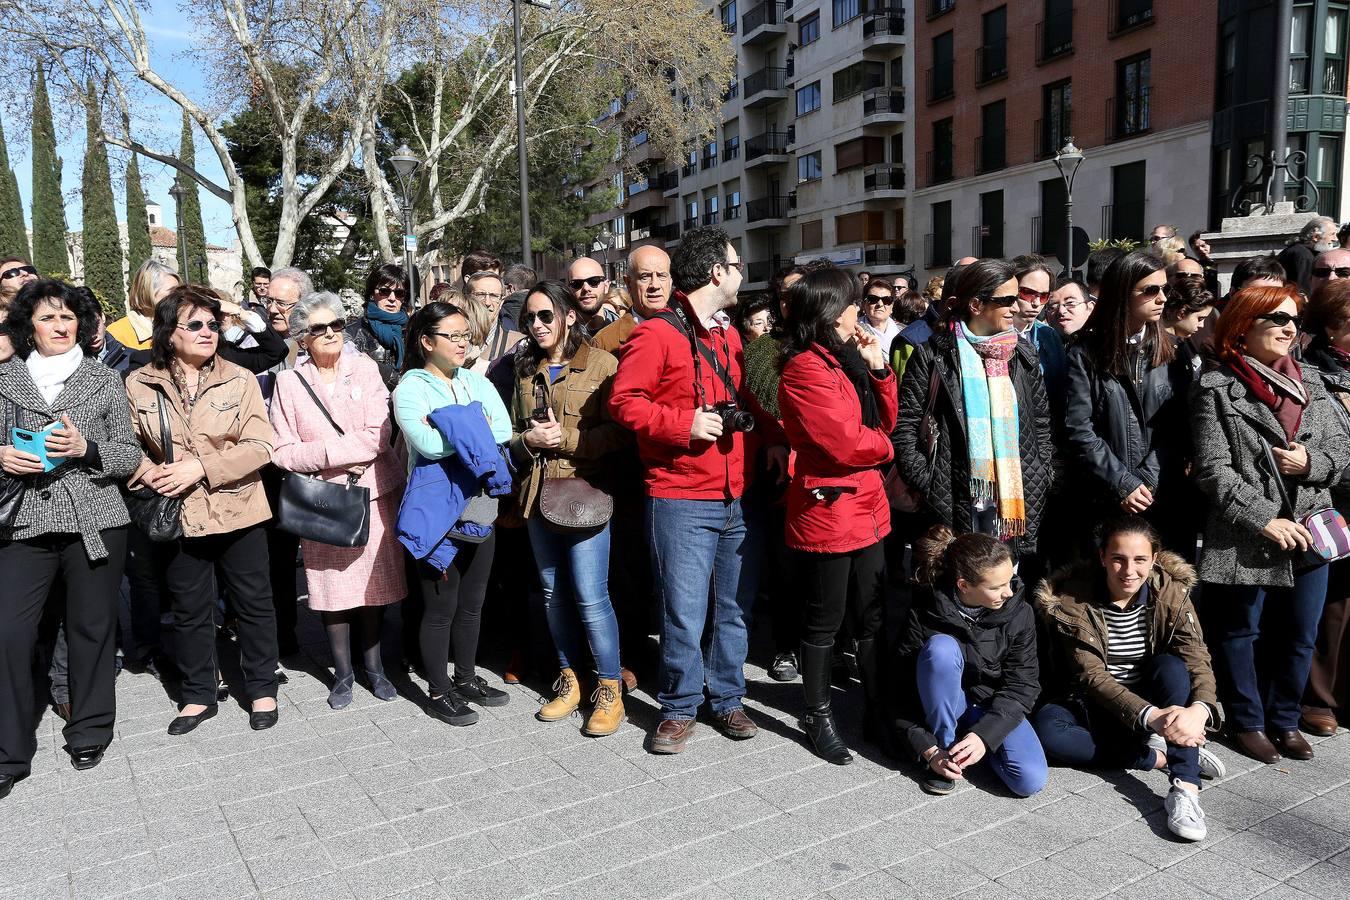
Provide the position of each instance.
(574, 572)
(702, 553)
(1019, 761)
(1086, 735)
(1264, 638)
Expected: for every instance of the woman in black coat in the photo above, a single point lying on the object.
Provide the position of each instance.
(1126, 435)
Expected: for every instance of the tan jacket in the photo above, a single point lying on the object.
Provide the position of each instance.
(1075, 630)
(615, 334)
(228, 431)
(580, 402)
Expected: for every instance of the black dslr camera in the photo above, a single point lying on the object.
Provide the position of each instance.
(733, 417)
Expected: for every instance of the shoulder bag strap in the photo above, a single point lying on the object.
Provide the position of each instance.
(165, 431)
(1279, 479)
(319, 403)
(934, 379)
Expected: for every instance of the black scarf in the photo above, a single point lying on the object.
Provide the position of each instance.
(851, 361)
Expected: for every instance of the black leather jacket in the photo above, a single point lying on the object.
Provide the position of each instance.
(363, 339)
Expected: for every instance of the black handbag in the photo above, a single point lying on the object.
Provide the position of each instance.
(160, 517)
(11, 489)
(325, 512)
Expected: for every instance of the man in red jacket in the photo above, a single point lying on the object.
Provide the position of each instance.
(677, 371)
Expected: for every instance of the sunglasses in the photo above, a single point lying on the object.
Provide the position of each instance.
(1003, 301)
(197, 325)
(1029, 295)
(1153, 290)
(1281, 319)
(594, 281)
(398, 292)
(455, 337)
(29, 270)
(1341, 272)
(878, 300)
(337, 326)
(544, 315)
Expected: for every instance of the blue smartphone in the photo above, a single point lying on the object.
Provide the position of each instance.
(35, 442)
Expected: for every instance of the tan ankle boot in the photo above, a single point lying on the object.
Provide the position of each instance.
(568, 698)
(608, 713)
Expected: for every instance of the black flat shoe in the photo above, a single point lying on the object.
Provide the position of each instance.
(86, 757)
(935, 784)
(6, 785)
(261, 721)
(183, 724)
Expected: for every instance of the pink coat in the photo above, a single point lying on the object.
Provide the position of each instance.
(359, 401)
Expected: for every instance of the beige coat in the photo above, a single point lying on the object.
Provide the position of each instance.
(228, 431)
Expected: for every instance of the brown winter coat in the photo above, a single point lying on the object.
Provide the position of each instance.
(228, 431)
(1075, 636)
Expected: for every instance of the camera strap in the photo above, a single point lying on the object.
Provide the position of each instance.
(680, 322)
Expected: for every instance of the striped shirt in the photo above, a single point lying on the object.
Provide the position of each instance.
(1127, 639)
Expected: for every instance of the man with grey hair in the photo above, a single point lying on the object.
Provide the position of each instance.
(1318, 236)
(286, 289)
(1330, 266)
(649, 286)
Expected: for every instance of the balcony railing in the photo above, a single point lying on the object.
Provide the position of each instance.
(879, 101)
(940, 7)
(640, 234)
(731, 148)
(991, 152)
(1054, 36)
(1038, 242)
(889, 20)
(771, 78)
(883, 255)
(638, 187)
(668, 232)
(1123, 220)
(731, 214)
(708, 160)
(688, 169)
(732, 92)
(710, 218)
(690, 223)
(939, 166)
(986, 240)
(762, 270)
(1048, 139)
(767, 13)
(767, 208)
(770, 143)
(1126, 15)
(941, 83)
(1127, 115)
(666, 181)
(884, 178)
(991, 62)
(937, 250)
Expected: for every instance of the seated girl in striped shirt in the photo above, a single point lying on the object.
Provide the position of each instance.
(1124, 642)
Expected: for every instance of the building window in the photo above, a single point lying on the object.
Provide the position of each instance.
(940, 80)
(991, 153)
(620, 230)
(861, 76)
(813, 235)
(808, 30)
(1050, 224)
(989, 233)
(1125, 216)
(733, 146)
(846, 11)
(808, 167)
(1056, 118)
(1300, 48)
(1131, 115)
(1333, 49)
(733, 205)
(938, 246)
(729, 16)
(940, 157)
(808, 98)
(992, 60)
(1227, 69)
(860, 226)
(863, 151)
(1131, 14)
(1055, 36)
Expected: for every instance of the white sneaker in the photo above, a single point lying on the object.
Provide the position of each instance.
(1211, 767)
(1185, 818)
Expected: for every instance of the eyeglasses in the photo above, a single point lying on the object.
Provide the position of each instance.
(878, 300)
(284, 307)
(336, 326)
(386, 291)
(197, 325)
(594, 281)
(1029, 295)
(1281, 319)
(1155, 238)
(484, 296)
(1068, 306)
(1319, 272)
(1003, 301)
(24, 270)
(455, 337)
(1154, 290)
(544, 315)
(738, 265)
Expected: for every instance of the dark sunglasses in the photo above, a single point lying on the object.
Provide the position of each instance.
(197, 325)
(337, 326)
(878, 300)
(593, 281)
(29, 270)
(1281, 319)
(1341, 272)
(544, 315)
(1029, 295)
(398, 292)
(1002, 301)
(1154, 290)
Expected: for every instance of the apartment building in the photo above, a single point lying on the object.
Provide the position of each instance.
(1004, 85)
(810, 158)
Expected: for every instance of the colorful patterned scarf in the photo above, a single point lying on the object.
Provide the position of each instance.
(991, 426)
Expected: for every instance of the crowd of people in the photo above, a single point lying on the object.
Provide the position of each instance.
(1045, 519)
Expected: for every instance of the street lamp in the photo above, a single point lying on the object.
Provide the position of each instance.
(405, 170)
(606, 240)
(177, 193)
(518, 94)
(1067, 160)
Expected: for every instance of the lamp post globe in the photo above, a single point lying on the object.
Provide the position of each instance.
(1067, 161)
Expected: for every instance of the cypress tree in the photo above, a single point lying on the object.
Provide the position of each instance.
(49, 210)
(194, 234)
(13, 233)
(100, 240)
(138, 226)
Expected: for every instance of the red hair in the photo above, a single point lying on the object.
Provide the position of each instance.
(1242, 311)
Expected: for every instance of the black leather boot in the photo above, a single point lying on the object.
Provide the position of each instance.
(877, 727)
(818, 722)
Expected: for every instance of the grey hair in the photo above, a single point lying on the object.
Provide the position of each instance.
(299, 321)
(1317, 228)
(297, 277)
(485, 273)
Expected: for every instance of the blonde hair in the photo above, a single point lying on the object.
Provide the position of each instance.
(145, 283)
(479, 316)
(1170, 250)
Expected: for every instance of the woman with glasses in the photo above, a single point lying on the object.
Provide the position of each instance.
(220, 438)
(435, 378)
(348, 586)
(1264, 430)
(877, 305)
(1125, 418)
(1034, 280)
(380, 332)
(990, 469)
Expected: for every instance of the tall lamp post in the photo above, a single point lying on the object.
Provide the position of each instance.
(1067, 160)
(177, 193)
(606, 240)
(405, 169)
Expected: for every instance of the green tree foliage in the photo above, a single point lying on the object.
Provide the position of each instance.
(138, 225)
(194, 233)
(49, 211)
(13, 234)
(102, 244)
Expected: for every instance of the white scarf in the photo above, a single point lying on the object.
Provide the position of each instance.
(50, 372)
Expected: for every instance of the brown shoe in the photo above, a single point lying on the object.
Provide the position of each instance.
(629, 680)
(608, 713)
(1291, 744)
(1256, 745)
(671, 735)
(1317, 721)
(736, 725)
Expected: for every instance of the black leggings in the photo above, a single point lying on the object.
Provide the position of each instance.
(830, 580)
(453, 606)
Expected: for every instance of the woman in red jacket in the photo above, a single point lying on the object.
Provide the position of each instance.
(838, 401)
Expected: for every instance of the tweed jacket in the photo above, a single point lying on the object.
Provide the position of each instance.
(79, 496)
(1230, 428)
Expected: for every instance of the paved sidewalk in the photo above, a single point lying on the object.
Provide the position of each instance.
(380, 800)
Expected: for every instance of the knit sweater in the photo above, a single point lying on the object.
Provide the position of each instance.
(762, 371)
